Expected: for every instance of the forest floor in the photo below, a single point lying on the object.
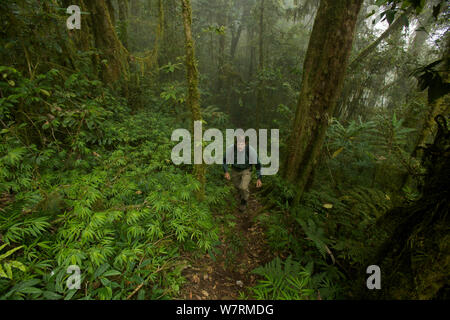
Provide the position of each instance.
(243, 248)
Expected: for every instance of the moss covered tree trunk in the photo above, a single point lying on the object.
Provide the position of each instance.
(159, 34)
(251, 45)
(323, 74)
(161, 19)
(115, 62)
(84, 38)
(112, 13)
(193, 99)
(438, 106)
(415, 256)
(123, 22)
(260, 93)
(223, 20)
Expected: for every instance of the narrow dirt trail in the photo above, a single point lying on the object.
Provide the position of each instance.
(243, 248)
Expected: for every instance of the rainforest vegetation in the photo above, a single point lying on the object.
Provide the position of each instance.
(358, 89)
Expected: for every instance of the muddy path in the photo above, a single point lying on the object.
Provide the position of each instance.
(228, 275)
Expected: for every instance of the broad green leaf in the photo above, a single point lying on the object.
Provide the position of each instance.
(31, 290)
(52, 295)
(110, 273)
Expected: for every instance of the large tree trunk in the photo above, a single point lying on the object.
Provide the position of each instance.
(193, 99)
(323, 74)
(111, 11)
(438, 106)
(116, 66)
(84, 38)
(414, 257)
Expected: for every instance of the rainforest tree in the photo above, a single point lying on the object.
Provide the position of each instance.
(87, 181)
(323, 74)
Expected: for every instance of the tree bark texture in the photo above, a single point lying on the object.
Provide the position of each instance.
(323, 75)
(123, 22)
(116, 66)
(193, 99)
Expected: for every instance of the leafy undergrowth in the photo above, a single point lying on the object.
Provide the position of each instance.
(246, 265)
(93, 187)
(227, 271)
(86, 181)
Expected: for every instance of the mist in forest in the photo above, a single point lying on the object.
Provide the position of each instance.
(341, 106)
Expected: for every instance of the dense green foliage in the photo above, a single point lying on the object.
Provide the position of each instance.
(86, 176)
(93, 186)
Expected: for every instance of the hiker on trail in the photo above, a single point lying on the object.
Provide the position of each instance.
(241, 170)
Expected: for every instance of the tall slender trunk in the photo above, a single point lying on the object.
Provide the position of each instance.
(211, 42)
(193, 99)
(235, 41)
(154, 63)
(236, 36)
(222, 18)
(260, 98)
(123, 22)
(261, 36)
(159, 31)
(398, 23)
(251, 67)
(323, 74)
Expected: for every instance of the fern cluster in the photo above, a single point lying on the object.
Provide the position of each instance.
(290, 280)
(334, 226)
(92, 185)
